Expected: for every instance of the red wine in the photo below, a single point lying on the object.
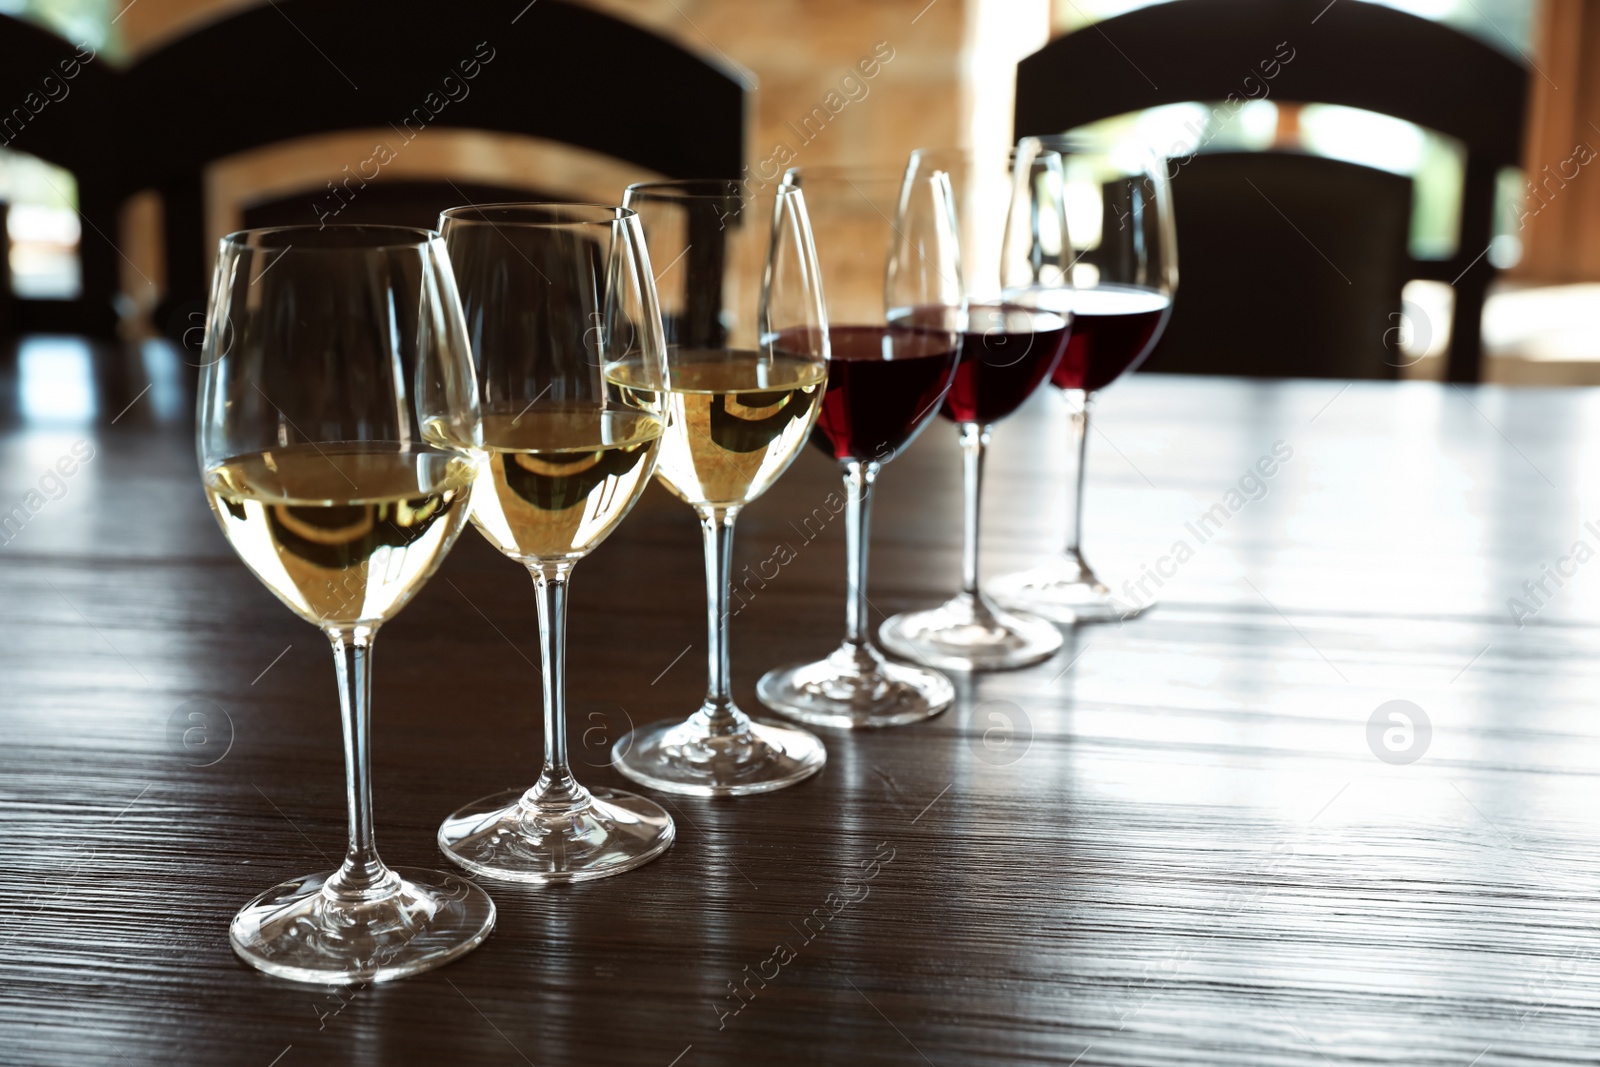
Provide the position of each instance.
(884, 385)
(1113, 328)
(1007, 352)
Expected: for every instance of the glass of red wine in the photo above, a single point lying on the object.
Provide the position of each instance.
(1012, 226)
(887, 257)
(1122, 258)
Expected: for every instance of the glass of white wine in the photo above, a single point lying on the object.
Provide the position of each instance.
(562, 314)
(747, 352)
(329, 353)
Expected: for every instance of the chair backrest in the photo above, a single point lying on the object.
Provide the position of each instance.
(1262, 297)
(1306, 51)
(292, 68)
(54, 98)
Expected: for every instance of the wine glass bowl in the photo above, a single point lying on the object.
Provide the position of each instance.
(889, 266)
(1122, 259)
(747, 350)
(562, 314)
(1010, 217)
(331, 354)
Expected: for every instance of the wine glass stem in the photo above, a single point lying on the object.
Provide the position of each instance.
(556, 785)
(858, 479)
(974, 443)
(718, 714)
(363, 875)
(1080, 444)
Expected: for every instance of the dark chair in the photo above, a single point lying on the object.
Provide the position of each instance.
(549, 69)
(1347, 52)
(1259, 296)
(55, 99)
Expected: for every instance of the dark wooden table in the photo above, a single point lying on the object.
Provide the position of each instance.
(1184, 851)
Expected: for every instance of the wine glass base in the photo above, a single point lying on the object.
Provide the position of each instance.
(601, 833)
(686, 758)
(1063, 594)
(855, 690)
(964, 635)
(297, 931)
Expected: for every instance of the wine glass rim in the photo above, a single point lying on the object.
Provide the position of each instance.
(1081, 141)
(540, 214)
(842, 173)
(968, 152)
(955, 158)
(332, 237)
(702, 189)
(1079, 137)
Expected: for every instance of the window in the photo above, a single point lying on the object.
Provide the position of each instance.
(43, 224)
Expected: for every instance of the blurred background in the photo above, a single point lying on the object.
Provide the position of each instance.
(944, 75)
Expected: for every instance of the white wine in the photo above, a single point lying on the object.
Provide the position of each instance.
(553, 482)
(342, 534)
(734, 421)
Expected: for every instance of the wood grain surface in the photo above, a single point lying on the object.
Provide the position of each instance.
(1174, 845)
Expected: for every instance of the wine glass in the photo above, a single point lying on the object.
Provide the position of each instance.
(888, 253)
(328, 352)
(747, 350)
(1011, 216)
(562, 315)
(1123, 262)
